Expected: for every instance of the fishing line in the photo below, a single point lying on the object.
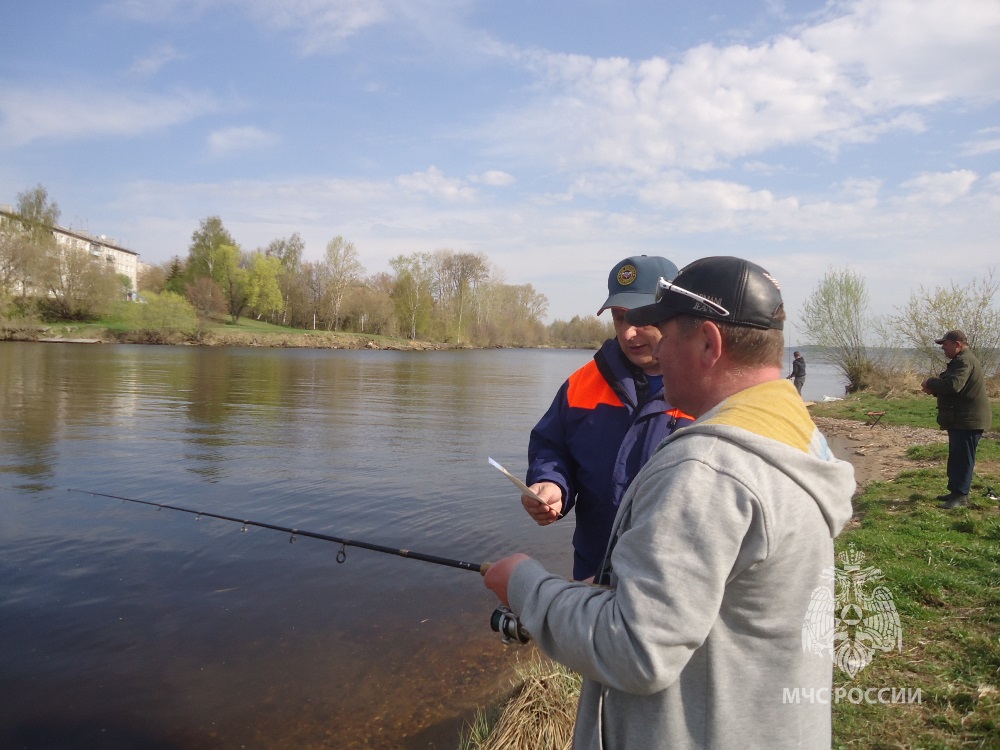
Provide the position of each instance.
(480, 568)
(502, 621)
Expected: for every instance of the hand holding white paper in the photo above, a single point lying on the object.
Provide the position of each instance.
(521, 485)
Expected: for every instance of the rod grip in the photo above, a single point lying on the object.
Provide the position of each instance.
(484, 567)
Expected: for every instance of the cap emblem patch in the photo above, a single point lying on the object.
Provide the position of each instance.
(627, 274)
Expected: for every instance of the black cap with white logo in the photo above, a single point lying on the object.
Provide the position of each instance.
(724, 288)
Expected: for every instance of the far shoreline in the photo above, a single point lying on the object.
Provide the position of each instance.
(222, 336)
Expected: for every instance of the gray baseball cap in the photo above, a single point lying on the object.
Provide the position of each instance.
(632, 282)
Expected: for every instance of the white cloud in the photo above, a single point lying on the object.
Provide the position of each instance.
(229, 141)
(73, 113)
(320, 24)
(156, 11)
(914, 52)
(987, 141)
(868, 70)
(713, 105)
(496, 178)
(155, 60)
(941, 188)
(865, 189)
(433, 182)
(317, 25)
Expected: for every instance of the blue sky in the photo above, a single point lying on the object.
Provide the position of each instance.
(556, 137)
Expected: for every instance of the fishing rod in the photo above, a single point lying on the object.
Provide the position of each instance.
(502, 621)
(481, 568)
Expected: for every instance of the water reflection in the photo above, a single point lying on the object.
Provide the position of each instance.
(121, 621)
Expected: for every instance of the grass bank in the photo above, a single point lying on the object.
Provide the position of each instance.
(942, 570)
(216, 332)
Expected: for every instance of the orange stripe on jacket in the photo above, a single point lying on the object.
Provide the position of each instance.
(678, 414)
(588, 388)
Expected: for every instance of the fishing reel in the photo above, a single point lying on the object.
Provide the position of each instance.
(508, 626)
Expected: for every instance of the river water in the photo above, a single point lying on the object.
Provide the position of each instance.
(125, 626)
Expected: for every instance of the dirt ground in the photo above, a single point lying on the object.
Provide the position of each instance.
(879, 452)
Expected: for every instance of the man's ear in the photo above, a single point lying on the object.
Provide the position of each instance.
(711, 343)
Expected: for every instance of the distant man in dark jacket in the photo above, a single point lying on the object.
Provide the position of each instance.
(798, 373)
(605, 421)
(963, 410)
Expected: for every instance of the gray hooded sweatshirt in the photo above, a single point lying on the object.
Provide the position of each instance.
(719, 547)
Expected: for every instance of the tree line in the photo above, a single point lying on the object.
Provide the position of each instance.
(869, 350)
(444, 296)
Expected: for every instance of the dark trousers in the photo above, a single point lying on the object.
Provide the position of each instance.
(962, 445)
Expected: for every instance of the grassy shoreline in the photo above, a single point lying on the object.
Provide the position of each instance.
(942, 569)
(245, 333)
(248, 333)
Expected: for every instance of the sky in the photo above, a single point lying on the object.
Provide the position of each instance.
(557, 137)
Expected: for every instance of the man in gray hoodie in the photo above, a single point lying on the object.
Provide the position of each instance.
(720, 549)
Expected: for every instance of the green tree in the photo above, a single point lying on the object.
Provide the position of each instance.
(13, 257)
(584, 332)
(314, 283)
(176, 280)
(509, 314)
(528, 308)
(835, 317)
(206, 299)
(289, 254)
(370, 308)
(230, 267)
(342, 270)
(26, 240)
(163, 316)
(126, 285)
(457, 277)
(203, 254)
(972, 309)
(263, 284)
(37, 212)
(78, 286)
(412, 291)
(153, 278)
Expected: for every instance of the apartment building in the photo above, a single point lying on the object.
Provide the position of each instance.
(125, 261)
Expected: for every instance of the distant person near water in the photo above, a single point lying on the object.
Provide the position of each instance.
(798, 373)
(963, 410)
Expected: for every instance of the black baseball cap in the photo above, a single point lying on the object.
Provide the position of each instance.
(955, 335)
(632, 282)
(724, 288)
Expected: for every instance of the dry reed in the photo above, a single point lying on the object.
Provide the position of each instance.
(540, 715)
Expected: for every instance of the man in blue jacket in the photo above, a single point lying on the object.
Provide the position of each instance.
(605, 421)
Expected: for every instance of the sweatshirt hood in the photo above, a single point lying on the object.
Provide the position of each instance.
(772, 421)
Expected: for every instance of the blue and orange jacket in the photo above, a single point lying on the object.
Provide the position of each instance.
(596, 435)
